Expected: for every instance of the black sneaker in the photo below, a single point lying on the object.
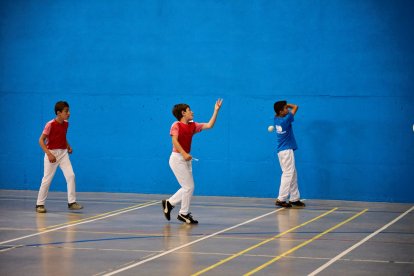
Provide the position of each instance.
(283, 204)
(74, 206)
(40, 209)
(166, 208)
(187, 218)
(297, 203)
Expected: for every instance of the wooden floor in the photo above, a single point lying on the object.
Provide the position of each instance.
(127, 234)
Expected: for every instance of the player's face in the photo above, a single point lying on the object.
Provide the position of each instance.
(285, 111)
(65, 114)
(188, 115)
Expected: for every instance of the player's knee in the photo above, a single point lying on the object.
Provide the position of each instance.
(288, 177)
(70, 176)
(45, 184)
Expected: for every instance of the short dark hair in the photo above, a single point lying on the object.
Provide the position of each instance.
(59, 106)
(178, 109)
(278, 106)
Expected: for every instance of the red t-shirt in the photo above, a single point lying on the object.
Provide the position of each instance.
(185, 133)
(56, 134)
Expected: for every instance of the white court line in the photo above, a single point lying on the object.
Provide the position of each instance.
(359, 243)
(82, 222)
(190, 243)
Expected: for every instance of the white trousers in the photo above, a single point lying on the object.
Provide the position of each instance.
(62, 160)
(289, 180)
(183, 171)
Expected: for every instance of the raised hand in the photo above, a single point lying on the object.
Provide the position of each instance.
(218, 104)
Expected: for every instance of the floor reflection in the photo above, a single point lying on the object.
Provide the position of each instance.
(55, 259)
(174, 236)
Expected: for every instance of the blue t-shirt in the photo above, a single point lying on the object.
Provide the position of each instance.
(284, 132)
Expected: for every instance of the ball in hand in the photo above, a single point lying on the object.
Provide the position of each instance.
(271, 128)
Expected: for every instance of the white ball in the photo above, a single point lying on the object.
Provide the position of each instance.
(271, 128)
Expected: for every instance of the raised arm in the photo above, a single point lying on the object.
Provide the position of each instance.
(212, 121)
(293, 108)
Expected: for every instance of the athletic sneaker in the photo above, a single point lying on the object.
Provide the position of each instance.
(166, 208)
(297, 203)
(74, 206)
(187, 218)
(283, 204)
(40, 209)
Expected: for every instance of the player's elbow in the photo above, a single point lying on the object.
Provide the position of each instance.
(208, 126)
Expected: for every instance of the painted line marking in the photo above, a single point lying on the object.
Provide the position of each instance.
(340, 255)
(94, 201)
(260, 244)
(304, 243)
(190, 243)
(208, 204)
(143, 205)
(96, 216)
(153, 252)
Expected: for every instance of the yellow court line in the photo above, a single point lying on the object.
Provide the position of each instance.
(261, 243)
(97, 216)
(304, 243)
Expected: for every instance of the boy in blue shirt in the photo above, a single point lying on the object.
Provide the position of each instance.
(286, 145)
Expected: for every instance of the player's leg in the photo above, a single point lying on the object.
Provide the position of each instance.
(167, 206)
(294, 189)
(66, 167)
(288, 168)
(183, 172)
(48, 174)
(187, 187)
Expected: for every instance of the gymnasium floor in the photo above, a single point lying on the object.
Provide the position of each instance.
(127, 234)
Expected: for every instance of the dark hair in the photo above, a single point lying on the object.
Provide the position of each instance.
(278, 106)
(59, 106)
(178, 109)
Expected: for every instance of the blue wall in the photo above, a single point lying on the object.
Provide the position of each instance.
(122, 65)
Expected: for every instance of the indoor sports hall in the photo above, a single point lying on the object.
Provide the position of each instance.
(103, 92)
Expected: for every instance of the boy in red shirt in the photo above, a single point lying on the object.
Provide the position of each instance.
(182, 133)
(53, 142)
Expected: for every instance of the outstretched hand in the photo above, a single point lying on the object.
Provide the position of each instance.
(212, 121)
(218, 104)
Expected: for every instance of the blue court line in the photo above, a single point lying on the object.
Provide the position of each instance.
(102, 239)
(90, 240)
